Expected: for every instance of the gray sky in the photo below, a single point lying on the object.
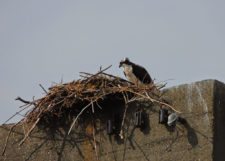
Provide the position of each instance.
(44, 41)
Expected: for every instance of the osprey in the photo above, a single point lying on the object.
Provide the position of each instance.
(135, 73)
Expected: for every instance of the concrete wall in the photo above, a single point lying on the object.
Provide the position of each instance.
(219, 121)
(202, 137)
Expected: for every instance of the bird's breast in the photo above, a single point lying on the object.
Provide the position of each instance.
(128, 70)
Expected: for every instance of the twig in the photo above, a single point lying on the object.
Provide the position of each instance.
(74, 121)
(121, 79)
(163, 103)
(7, 139)
(155, 101)
(15, 114)
(31, 129)
(22, 100)
(95, 145)
(89, 74)
(134, 99)
(116, 77)
(98, 73)
(84, 76)
(43, 89)
(27, 102)
(98, 105)
(124, 115)
(92, 107)
(160, 86)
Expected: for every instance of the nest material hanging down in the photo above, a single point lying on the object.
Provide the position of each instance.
(77, 97)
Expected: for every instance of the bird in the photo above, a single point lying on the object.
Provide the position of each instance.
(136, 74)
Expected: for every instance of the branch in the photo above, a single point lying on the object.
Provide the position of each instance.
(31, 129)
(124, 115)
(7, 139)
(117, 78)
(74, 121)
(163, 103)
(154, 100)
(99, 72)
(15, 114)
(24, 101)
(43, 89)
(95, 145)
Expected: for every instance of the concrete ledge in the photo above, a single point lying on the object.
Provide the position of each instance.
(202, 137)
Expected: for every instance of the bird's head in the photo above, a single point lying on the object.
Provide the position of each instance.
(125, 61)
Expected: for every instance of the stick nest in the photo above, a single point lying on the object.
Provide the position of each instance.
(64, 104)
(65, 101)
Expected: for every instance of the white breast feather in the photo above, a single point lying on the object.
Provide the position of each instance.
(129, 74)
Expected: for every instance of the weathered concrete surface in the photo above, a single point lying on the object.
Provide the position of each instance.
(219, 121)
(202, 138)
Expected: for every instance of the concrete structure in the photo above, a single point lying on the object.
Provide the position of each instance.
(201, 138)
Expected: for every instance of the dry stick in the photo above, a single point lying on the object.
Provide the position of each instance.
(15, 114)
(93, 75)
(27, 102)
(124, 80)
(24, 101)
(89, 74)
(31, 129)
(92, 107)
(124, 115)
(154, 100)
(7, 139)
(162, 103)
(134, 99)
(107, 75)
(43, 88)
(74, 121)
(101, 71)
(50, 107)
(95, 145)
(84, 76)
(98, 105)
(161, 86)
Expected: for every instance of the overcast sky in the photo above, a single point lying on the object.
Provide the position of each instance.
(44, 41)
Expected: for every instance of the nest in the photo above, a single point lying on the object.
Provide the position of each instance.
(66, 103)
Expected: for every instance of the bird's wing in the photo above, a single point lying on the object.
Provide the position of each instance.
(142, 74)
